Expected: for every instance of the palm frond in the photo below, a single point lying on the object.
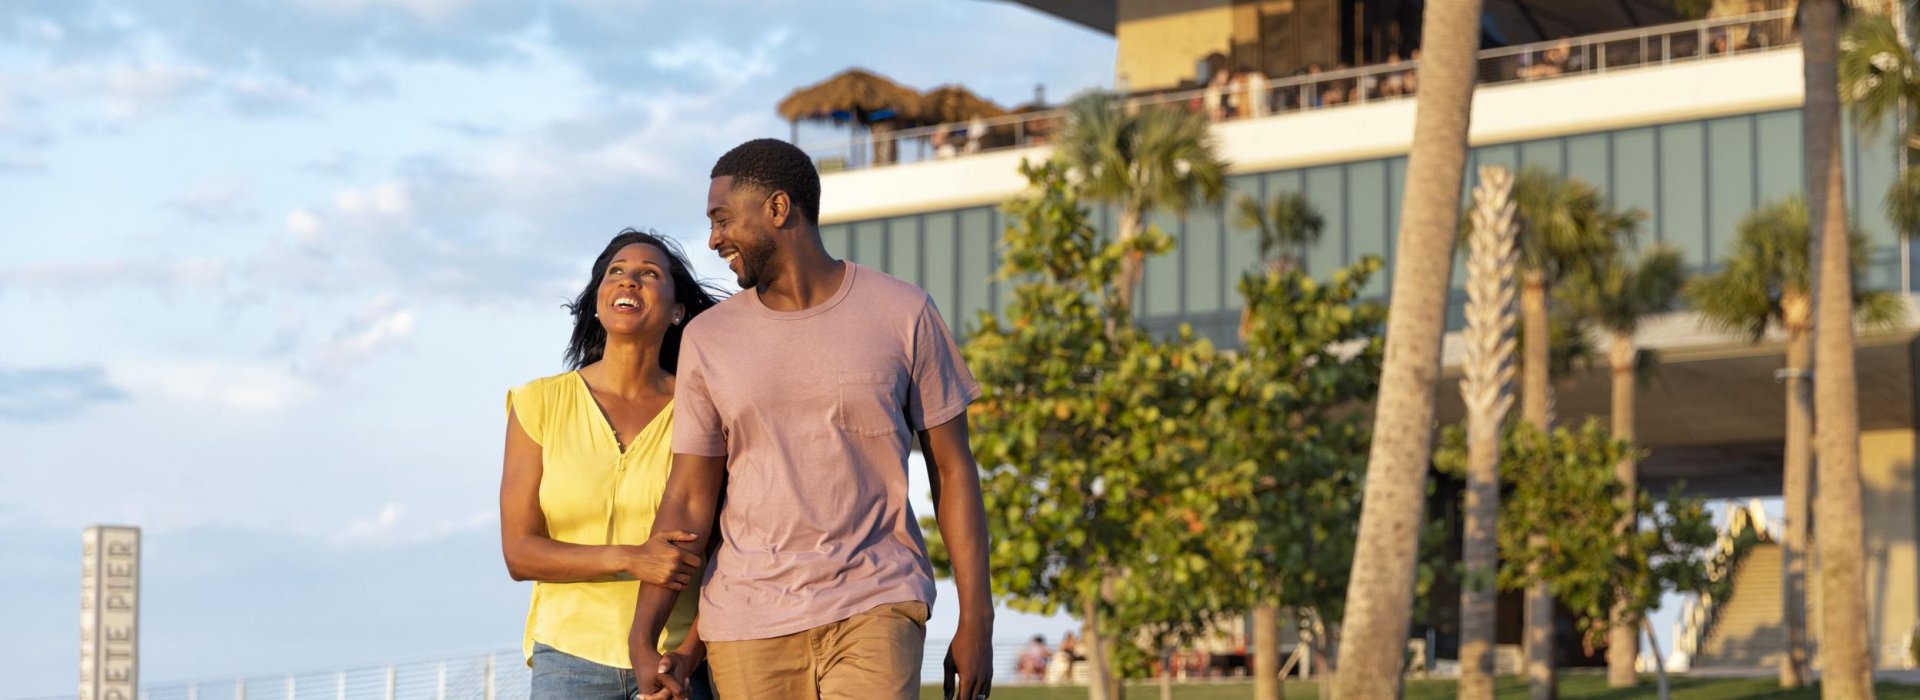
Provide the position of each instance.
(1880, 310)
(1903, 201)
(1877, 74)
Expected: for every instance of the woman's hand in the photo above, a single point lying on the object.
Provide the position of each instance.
(662, 562)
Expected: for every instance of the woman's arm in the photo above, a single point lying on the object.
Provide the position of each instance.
(532, 555)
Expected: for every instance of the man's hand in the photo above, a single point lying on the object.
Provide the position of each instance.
(662, 562)
(969, 666)
(646, 670)
(672, 675)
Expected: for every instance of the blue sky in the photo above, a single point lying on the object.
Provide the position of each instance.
(267, 268)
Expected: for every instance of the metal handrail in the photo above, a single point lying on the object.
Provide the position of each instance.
(1651, 45)
(1699, 613)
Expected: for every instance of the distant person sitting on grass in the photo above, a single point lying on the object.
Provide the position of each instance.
(1033, 660)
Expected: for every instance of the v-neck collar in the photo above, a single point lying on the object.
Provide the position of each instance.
(606, 421)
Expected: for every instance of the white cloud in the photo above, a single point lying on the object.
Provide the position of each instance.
(388, 200)
(215, 203)
(306, 226)
(100, 275)
(430, 11)
(136, 90)
(383, 324)
(379, 526)
(232, 385)
(391, 526)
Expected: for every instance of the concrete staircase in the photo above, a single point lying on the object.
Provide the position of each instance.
(1747, 631)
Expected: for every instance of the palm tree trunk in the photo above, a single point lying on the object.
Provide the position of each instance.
(1622, 629)
(1266, 652)
(1846, 660)
(1487, 390)
(1380, 590)
(1536, 409)
(1127, 282)
(1796, 489)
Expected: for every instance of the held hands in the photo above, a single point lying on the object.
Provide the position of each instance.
(669, 680)
(662, 561)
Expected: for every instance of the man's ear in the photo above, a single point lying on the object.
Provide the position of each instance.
(779, 209)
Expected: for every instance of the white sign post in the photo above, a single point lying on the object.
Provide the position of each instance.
(110, 613)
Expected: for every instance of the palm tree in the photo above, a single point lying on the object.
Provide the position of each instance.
(1614, 297)
(1845, 658)
(1287, 225)
(1766, 282)
(1566, 227)
(1880, 82)
(1380, 593)
(1145, 160)
(1487, 390)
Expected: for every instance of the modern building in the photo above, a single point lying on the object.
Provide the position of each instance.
(1694, 122)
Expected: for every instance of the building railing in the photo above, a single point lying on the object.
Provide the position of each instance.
(1247, 98)
(1746, 525)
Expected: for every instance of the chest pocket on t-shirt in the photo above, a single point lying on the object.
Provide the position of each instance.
(867, 405)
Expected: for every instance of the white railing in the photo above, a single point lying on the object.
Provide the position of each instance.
(1584, 55)
(1698, 613)
(497, 675)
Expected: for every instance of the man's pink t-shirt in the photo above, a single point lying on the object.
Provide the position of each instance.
(816, 411)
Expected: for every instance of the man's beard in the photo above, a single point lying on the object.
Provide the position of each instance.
(753, 264)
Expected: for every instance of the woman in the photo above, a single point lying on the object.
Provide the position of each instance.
(586, 460)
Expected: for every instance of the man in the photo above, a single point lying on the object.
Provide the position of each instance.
(802, 396)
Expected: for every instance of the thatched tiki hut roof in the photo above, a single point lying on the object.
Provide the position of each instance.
(951, 103)
(852, 95)
(856, 95)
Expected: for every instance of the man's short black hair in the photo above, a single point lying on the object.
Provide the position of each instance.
(773, 164)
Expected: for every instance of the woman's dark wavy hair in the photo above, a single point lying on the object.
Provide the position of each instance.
(590, 339)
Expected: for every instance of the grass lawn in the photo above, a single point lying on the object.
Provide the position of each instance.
(1572, 687)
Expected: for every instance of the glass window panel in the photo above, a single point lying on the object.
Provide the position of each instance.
(1002, 289)
(1243, 242)
(1779, 155)
(1505, 154)
(942, 261)
(1275, 185)
(976, 264)
(869, 242)
(1327, 190)
(1544, 153)
(1396, 191)
(903, 248)
(1367, 207)
(1587, 161)
(1160, 294)
(834, 237)
(1201, 258)
(1729, 180)
(1682, 214)
(1876, 163)
(1635, 176)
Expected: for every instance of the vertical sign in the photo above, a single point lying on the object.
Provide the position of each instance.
(110, 613)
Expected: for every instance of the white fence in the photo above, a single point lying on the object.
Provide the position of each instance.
(499, 675)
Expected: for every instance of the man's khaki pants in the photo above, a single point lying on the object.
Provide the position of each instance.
(874, 655)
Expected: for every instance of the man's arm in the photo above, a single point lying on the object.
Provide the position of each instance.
(963, 526)
(689, 504)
